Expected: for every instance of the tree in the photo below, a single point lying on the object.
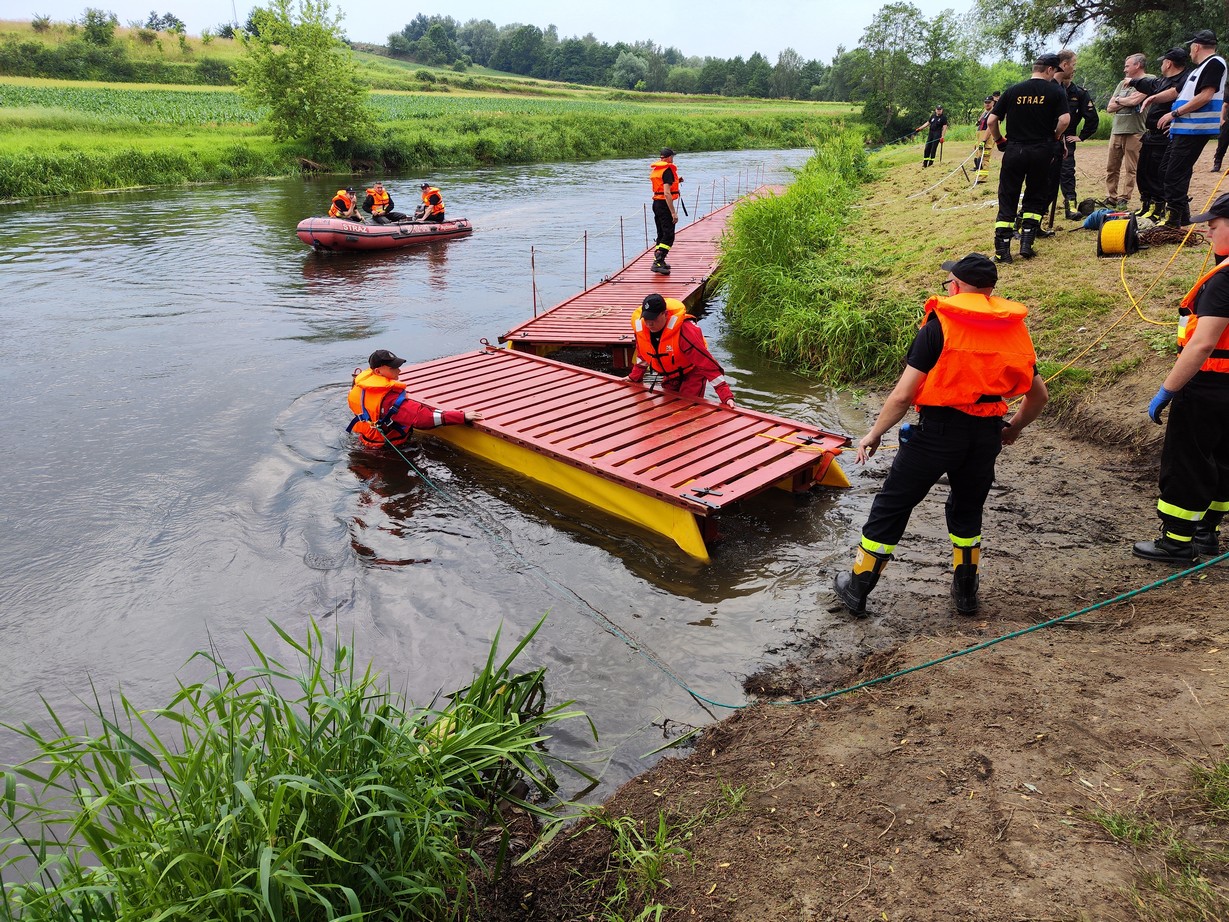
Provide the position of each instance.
(785, 76)
(759, 76)
(519, 51)
(300, 68)
(167, 22)
(98, 26)
(628, 71)
(683, 80)
(478, 39)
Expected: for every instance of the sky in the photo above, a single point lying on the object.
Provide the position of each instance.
(720, 28)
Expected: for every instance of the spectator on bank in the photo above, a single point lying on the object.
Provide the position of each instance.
(1126, 135)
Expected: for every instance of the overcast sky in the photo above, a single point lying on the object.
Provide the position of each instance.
(721, 28)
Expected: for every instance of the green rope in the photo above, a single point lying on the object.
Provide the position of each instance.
(638, 647)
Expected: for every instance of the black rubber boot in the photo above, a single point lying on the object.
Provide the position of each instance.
(1028, 234)
(1166, 549)
(1145, 209)
(853, 586)
(1072, 214)
(659, 263)
(1002, 245)
(965, 578)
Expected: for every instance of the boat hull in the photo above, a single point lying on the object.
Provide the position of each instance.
(338, 234)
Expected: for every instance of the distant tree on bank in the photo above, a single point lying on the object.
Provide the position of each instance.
(299, 66)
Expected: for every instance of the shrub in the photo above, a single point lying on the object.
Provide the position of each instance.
(40, 23)
(98, 26)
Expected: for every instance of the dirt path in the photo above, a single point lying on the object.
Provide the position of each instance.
(967, 790)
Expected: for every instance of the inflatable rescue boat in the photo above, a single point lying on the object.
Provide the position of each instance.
(340, 234)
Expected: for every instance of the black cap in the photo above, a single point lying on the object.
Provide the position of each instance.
(384, 357)
(1205, 37)
(349, 188)
(667, 152)
(654, 305)
(939, 107)
(1048, 60)
(1219, 209)
(1177, 55)
(988, 99)
(425, 185)
(975, 269)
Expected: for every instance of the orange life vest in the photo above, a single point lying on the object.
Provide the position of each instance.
(368, 395)
(379, 201)
(656, 173)
(1188, 320)
(987, 355)
(334, 211)
(426, 195)
(666, 358)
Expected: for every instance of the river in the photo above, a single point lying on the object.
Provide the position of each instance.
(176, 472)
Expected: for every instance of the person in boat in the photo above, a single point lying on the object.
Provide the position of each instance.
(669, 342)
(1194, 477)
(665, 179)
(384, 413)
(345, 205)
(379, 204)
(971, 354)
(432, 207)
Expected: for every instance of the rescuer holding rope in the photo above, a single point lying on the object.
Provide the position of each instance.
(669, 342)
(1195, 458)
(384, 414)
(971, 354)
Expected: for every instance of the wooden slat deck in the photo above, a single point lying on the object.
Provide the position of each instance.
(600, 317)
(643, 455)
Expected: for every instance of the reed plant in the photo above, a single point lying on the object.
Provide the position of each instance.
(300, 790)
(796, 286)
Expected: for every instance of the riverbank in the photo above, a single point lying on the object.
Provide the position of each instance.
(59, 137)
(1074, 772)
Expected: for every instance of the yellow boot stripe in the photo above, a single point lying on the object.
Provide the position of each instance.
(869, 545)
(1177, 512)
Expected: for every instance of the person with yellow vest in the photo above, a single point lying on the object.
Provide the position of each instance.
(971, 354)
(670, 344)
(1194, 477)
(379, 204)
(432, 207)
(345, 205)
(384, 413)
(665, 178)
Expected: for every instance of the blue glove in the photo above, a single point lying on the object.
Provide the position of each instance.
(1159, 403)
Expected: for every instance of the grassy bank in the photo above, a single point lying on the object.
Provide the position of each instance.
(301, 791)
(58, 137)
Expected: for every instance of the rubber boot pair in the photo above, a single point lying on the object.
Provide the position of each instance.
(853, 586)
(1002, 244)
(965, 579)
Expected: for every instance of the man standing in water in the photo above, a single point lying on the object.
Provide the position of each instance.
(665, 179)
(970, 356)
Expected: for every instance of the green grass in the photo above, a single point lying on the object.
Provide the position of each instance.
(302, 789)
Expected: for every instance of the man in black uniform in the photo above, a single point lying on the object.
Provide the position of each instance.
(1150, 171)
(1082, 108)
(936, 134)
(1195, 457)
(1037, 112)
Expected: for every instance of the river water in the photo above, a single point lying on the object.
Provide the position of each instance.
(176, 472)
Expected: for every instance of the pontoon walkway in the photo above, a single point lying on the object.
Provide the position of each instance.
(667, 463)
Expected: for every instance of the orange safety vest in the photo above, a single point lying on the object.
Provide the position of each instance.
(432, 209)
(656, 172)
(334, 211)
(368, 394)
(1188, 320)
(379, 201)
(987, 355)
(667, 358)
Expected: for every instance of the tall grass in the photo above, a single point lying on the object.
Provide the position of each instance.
(798, 289)
(305, 791)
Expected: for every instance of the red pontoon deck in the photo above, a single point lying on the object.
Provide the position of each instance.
(665, 462)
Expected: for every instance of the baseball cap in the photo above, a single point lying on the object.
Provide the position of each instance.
(654, 305)
(1048, 60)
(1203, 37)
(1219, 209)
(667, 152)
(1177, 55)
(425, 185)
(349, 188)
(384, 357)
(988, 99)
(977, 270)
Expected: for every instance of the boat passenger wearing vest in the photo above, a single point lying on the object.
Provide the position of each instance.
(1194, 119)
(971, 355)
(665, 178)
(1195, 457)
(384, 414)
(669, 342)
(345, 205)
(432, 207)
(379, 204)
